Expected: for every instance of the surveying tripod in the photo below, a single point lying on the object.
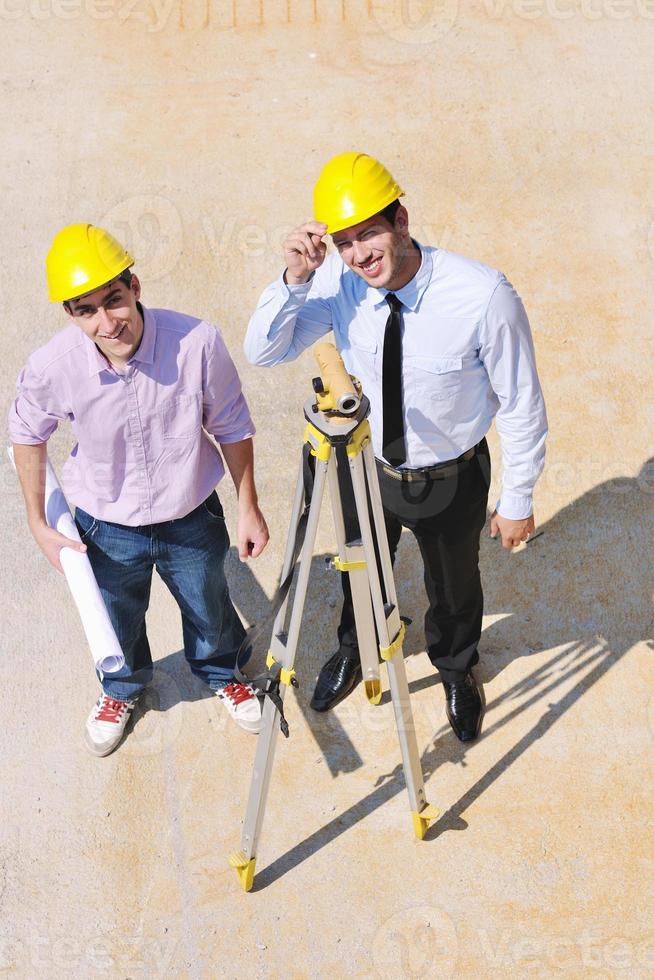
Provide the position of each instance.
(338, 417)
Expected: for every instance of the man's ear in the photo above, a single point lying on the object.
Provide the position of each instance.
(135, 285)
(401, 219)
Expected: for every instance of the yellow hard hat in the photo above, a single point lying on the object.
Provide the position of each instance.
(83, 258)
(351, 188)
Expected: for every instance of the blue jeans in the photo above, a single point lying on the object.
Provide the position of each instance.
(189, 555)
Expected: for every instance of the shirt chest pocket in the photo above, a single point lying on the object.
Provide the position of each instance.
(363, 355)
(181, 417)
(435, 377)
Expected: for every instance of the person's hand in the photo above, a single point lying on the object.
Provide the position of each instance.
(511, 532)
(251, 533)
(51, 542)
(304, 251)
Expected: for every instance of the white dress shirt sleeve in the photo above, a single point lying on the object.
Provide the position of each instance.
(507, 352)
(288, 319)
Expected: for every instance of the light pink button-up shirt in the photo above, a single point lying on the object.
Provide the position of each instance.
(142, 454)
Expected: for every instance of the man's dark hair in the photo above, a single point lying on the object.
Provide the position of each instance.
(390, 211)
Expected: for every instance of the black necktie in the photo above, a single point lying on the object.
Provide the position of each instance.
(393, 445)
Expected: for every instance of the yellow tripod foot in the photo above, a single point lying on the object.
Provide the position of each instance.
(373, 690)
(244, 868)
(422, 820)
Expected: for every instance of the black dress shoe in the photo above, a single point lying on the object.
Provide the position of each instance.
(338, 677)
(464, 707)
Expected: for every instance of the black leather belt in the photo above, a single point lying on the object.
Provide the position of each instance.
(441, 471)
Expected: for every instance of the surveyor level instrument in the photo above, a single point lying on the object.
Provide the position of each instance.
(336, 418)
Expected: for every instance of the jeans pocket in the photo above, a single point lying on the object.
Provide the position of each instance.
(213, 508)
(86, 524)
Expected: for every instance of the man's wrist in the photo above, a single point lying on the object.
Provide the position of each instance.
(37, 523)
(292, 280)
(247, 501)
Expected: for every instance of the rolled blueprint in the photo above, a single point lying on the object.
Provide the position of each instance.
(103, 642)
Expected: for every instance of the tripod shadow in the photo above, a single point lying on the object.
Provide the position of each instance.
(321, 609)
(583, 589)
(173, 681)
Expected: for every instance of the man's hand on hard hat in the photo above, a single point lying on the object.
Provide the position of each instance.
(51, 542)
(251, 532)
(304, 252)
(512, 533)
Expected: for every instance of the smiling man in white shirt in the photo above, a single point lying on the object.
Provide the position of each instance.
(441, 345)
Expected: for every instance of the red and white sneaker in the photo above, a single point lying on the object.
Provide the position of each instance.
(243, 705)
(106, 724)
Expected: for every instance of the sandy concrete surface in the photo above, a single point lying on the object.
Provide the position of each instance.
(521, 132)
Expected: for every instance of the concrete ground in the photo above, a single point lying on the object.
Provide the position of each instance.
(522, 134)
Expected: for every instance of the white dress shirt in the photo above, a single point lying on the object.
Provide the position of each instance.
(467, 357)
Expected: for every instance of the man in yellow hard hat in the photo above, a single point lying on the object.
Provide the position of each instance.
(143, 390)
(442, 345)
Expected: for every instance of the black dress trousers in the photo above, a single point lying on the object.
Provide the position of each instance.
(446, 517)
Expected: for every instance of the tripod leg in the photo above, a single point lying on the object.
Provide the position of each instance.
(390, 630)
(298, 504)
(282, 649)
(244, 861)
(351, 559)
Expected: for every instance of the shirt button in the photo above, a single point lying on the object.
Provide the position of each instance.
(137, 444)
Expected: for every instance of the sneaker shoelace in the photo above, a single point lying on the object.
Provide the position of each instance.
(237, 693)
(110, 710)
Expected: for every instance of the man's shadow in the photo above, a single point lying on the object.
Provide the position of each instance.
(582, 588)
(173, 681)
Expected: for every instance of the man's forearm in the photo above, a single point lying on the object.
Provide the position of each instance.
(30, 462)
(252, 530)
(284, 324)
(239, 457)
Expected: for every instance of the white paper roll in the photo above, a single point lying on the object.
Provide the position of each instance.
(103, 642)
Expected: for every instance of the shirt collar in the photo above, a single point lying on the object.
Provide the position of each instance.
(144, 354)
(411, 294)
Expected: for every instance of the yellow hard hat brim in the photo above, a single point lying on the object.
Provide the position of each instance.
(354, 216)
